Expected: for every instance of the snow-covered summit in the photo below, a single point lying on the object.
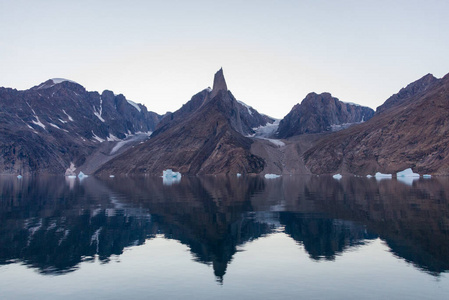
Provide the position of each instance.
(52, 82)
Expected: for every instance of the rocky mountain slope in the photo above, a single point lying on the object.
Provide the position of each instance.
(57, 125)
(205, 136)
(411, 130)
(321, 113)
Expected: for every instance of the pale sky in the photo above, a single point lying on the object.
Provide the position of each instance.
(273, 53)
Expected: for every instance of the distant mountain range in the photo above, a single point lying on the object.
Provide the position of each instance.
(58, 127)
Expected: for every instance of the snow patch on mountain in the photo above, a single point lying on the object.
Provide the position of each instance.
(97, 138)
(247, 107)
(134, 104)
(38, 122)
(130, 138)
(68, 116)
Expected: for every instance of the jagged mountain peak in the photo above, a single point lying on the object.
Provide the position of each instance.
(219, 83)
(407, 93)
(319, 113)
(52, 82)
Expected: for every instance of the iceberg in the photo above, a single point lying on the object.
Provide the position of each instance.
(81, 175)
(380, 175)
(337, 176)
(427, 176)
(19, 176)
(238, 174)
(407, 176)
(407, 173)
(169, 177)
(271, 176)
(111, 176)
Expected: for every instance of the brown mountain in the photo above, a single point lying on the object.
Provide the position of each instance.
(205, 136)
(321, 113)
(411, 130)
(47, 128)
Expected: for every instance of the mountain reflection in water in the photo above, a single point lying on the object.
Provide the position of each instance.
(53, 224)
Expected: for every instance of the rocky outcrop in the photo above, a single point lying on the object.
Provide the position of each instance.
(243, 117)
(206, 136)
(58, 123)
(410, 133)
(321, 113)
(406, 94)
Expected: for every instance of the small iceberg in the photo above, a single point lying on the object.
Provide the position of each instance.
(369, 176)
(81, 175)
(271, 176)
(337, 176)
(407, 173)
(381, 176)
(111, 176)
(407, 176)
(238, 174)
(427, 176)
(169, 177)
(19, 176)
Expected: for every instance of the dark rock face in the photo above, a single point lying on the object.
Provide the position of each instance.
(219, 83)
(412, 133)
(319, 113)
(243, 117)
(405, 94)
(48, 127)
(205, 136)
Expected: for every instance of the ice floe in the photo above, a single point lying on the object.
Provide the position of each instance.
(272, 176)
(169, 177)
(81, 175)
(407, 176)
(381, 176)
(407, 173)
(337, 176)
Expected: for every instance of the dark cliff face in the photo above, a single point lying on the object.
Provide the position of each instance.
(48, 127)
(205, 136)
(406, 94)
(320, 113)
(243, 117)
(206, 142)
(412, 133)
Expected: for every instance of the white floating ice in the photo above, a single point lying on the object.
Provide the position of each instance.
(381, 176)
(337, 176)
(19, 176)
(427, 176)
(407, 173)
(238, 174)
(271, 176)
(81, 175)
(169, 177)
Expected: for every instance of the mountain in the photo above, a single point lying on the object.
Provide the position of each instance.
(320, 113)
(410, 130)
(57, 125)
(205, 136)
(243, 117)
(406, 94)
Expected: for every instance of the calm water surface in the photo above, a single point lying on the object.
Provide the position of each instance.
(224, 237)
